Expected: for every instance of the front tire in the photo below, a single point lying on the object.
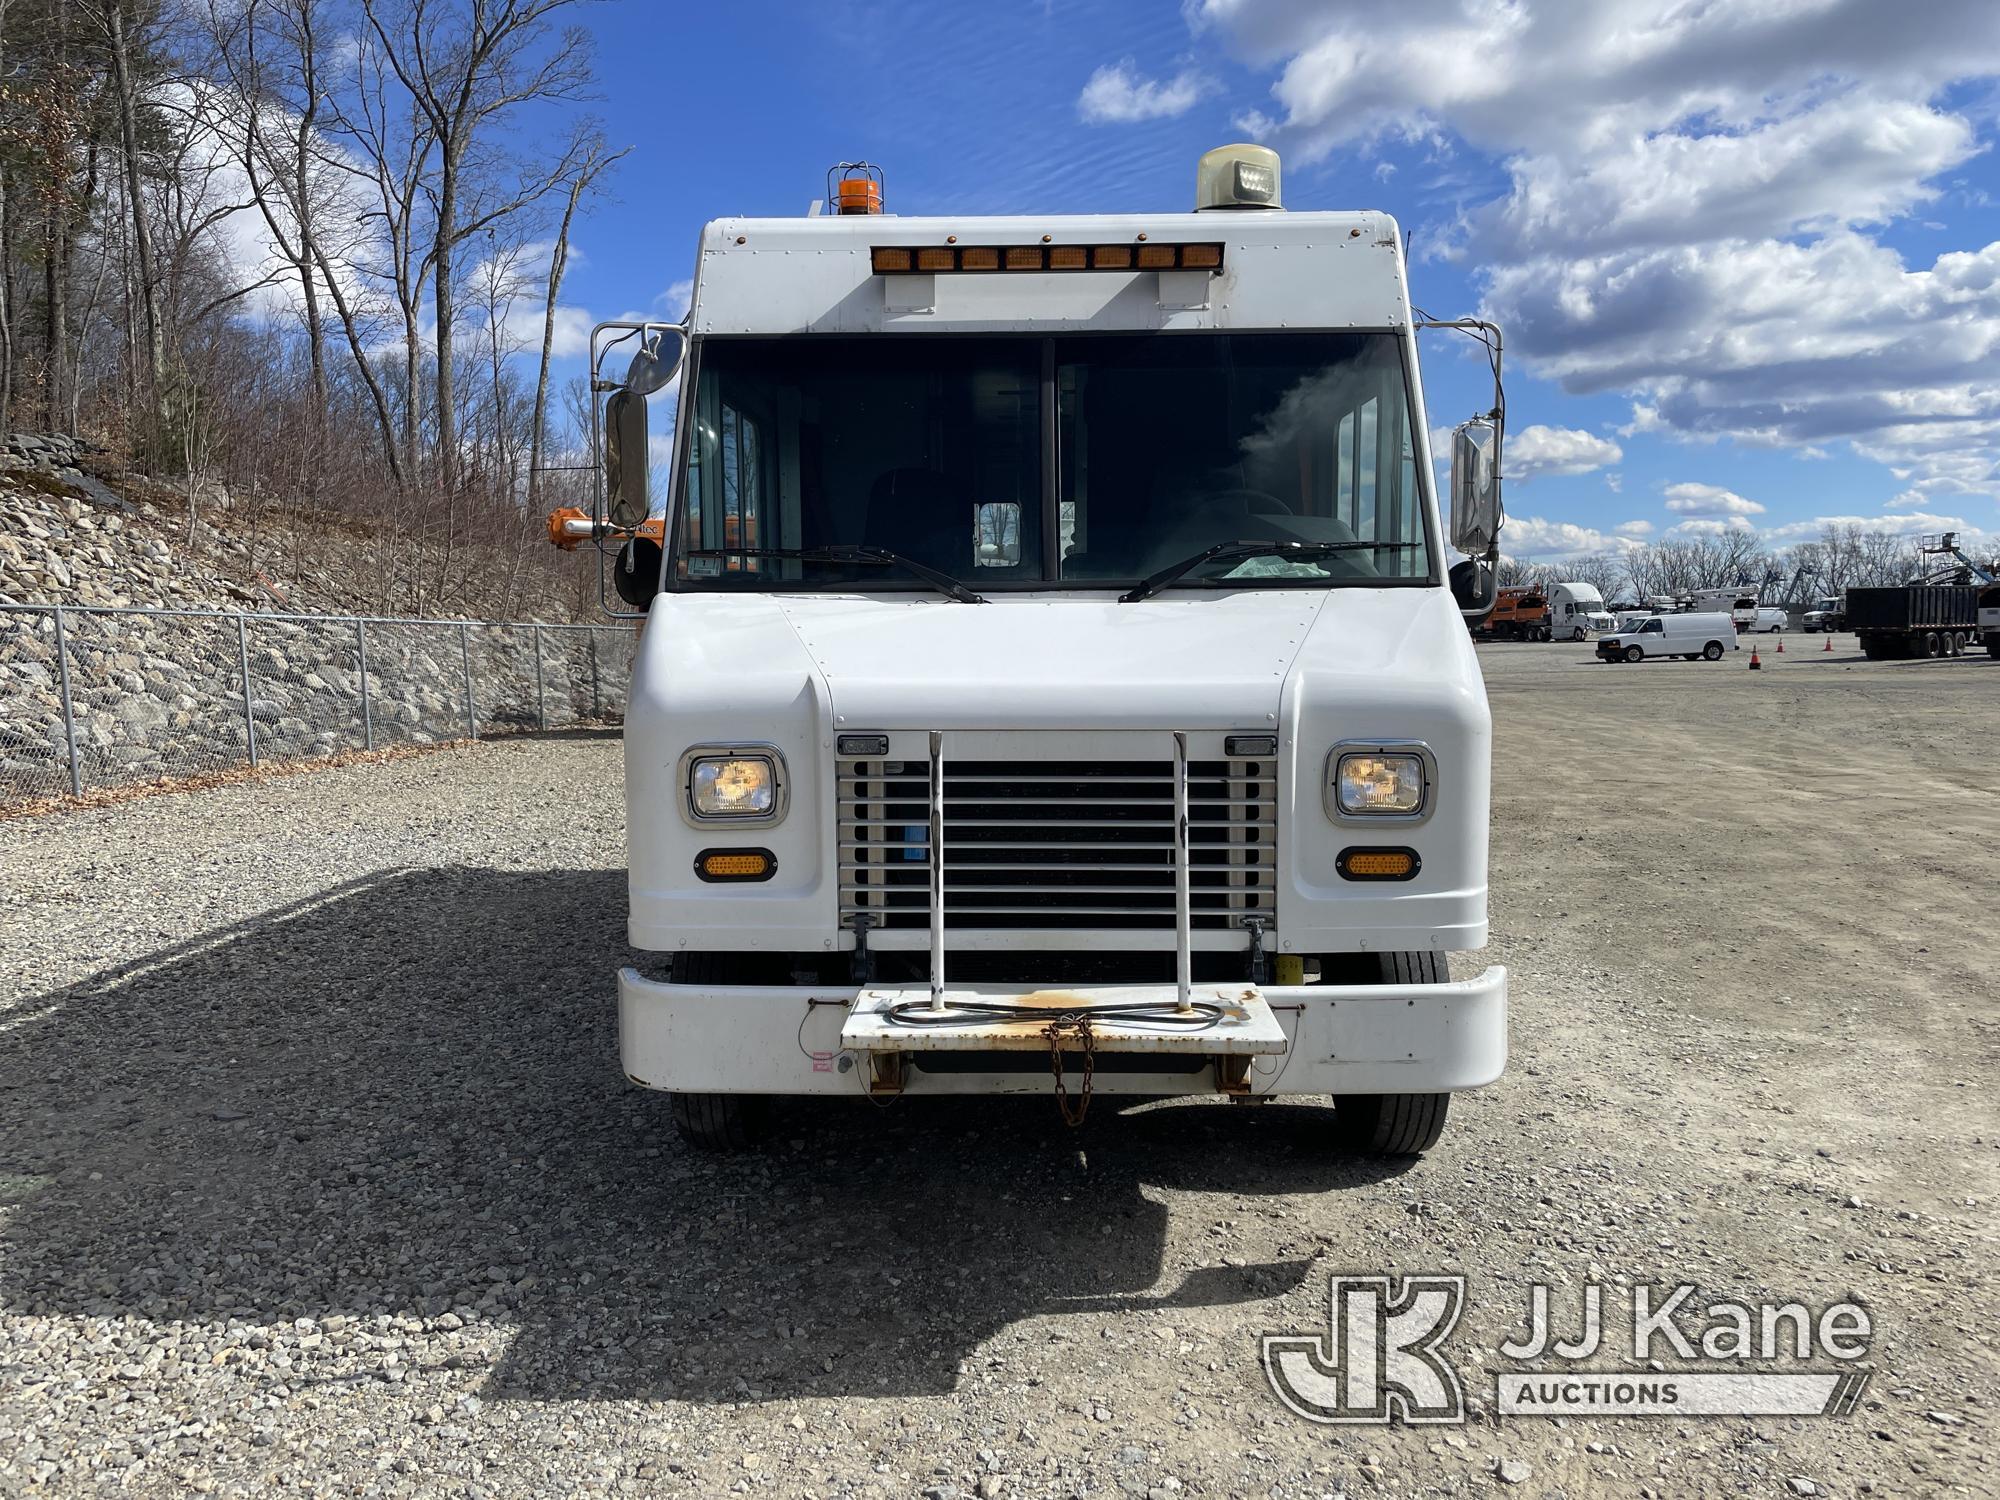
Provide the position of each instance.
(1635, 653)
(718, 1122)
(1390, 1124)
(721, 1122)
(1579, 634)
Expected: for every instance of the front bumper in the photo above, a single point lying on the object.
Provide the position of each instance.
(1282, 1039)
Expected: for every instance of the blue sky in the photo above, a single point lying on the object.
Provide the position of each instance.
(1747, 255)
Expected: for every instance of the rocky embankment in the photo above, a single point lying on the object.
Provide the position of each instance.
(155, 696)
(75, 530)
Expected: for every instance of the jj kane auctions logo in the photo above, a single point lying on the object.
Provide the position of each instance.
(1381, 1358)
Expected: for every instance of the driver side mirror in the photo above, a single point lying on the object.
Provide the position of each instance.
(626, 459)
(626, 455)
(1475, 487)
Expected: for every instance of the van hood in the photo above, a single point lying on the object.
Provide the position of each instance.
(1194, 659)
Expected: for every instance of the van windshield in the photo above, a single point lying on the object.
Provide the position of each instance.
(1083, 461)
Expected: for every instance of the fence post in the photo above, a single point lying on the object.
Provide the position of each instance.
(465, 657)
(541, 699)
(249, 717)
(367, 713)
(596, 681)
(69, 713)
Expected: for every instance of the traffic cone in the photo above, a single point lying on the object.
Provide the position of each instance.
(1755, 665)
(1781, 645)
(1829, 643)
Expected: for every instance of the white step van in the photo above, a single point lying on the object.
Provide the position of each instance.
(1053, 679)
(1705, 635)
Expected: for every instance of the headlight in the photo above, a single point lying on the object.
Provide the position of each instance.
(1379, 783)
(735, 785)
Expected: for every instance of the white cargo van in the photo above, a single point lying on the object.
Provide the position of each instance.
(1706, 634)
(1769, 620)
(1053, 679)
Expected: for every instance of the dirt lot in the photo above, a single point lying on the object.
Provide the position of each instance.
(316, 1169)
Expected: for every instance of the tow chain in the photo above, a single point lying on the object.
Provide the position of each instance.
(1076, 1024)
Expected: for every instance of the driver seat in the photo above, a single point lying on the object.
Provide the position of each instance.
(922, 515)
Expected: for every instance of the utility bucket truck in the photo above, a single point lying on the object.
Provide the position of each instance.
(1054, 676)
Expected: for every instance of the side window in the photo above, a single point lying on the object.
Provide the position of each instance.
(731, 480)
(1652, 627)
(742, 479)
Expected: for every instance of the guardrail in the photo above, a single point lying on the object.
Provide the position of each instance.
(97, 697)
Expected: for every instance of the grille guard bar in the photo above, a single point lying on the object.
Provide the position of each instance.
(1155, 834)
(1183, 878)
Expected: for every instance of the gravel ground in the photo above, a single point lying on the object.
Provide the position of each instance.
(317, 1172)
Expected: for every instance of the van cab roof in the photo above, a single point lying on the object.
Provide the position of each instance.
(1280, 270)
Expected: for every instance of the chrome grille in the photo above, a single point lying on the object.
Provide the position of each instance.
(1031, 844)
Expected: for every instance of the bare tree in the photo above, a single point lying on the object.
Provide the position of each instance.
(465, 76)
(391, 147)
(595, 163)
(111, 16)
(1600, 570)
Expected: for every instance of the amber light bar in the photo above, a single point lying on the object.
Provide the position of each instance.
(929, 260)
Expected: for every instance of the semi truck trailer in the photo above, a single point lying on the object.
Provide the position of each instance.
(1914, 620)
(1052, 678)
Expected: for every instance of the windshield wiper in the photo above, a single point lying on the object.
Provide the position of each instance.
(853, 552)
(1238, 551)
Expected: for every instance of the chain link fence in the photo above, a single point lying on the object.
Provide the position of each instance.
(94, 698)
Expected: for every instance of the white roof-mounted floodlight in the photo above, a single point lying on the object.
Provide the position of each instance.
(1242, 176)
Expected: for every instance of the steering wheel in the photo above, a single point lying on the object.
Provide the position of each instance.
(1256, 501)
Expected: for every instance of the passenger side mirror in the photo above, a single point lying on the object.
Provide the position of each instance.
(626, 458)
(659, 356)
(1475, 487)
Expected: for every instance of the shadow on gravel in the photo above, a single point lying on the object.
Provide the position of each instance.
(404, 1098)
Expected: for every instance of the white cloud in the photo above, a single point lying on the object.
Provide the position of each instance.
(1905, 525)
(1774, 343)
(1532, 536)
(1691, 201)
(1649, 190)
(1634, 528)
(1707, 527)
(1553, 75)
(1908, 500)
(1709, 500)
(672, 304)
(1557, 450)
(1118, 94)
